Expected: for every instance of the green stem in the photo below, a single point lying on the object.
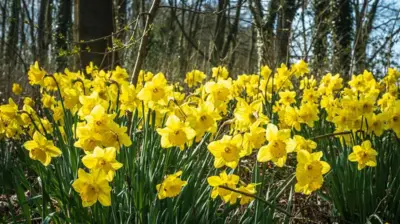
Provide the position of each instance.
(258, 198)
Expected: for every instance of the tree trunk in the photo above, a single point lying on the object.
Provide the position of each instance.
(250, 65)
(13, 34)
(219, 31)
(363, 31)
(231, 38)
(95, 30)
(64, 23)
(3, 28)
(145, 38)
(320, 44)
(342, 34)
(31, 26)
(44, 30)
(264, 30)
(12, 43)
(285, 20)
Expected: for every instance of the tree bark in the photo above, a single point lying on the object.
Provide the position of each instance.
(231, 38)
(12, 43)
(264, 30)
(285, 19)
(143, 44)
(363, 31)
(321, 29)
(3, 28)
(342, 34)
(219, 31)
(95, 30)
(13, 34)
(44, 30)
(64, 23)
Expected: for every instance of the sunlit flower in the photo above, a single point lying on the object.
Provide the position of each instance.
(42, 149)
(171, 186)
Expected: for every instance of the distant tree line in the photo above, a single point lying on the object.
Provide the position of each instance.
(175, 36)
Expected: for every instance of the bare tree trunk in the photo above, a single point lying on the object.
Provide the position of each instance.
(342, 34)
(3, 27)
(64, 23)
(143, 44)
(182, 50)
(13, 35)
(31, 27)
(12, 42)
(219, 31)
(231, 38)
(251, 51)
(363, 31)
(321, 29)
(284, 29)
(264, 27)
(44, 30)
(95, 27)
(75, 35)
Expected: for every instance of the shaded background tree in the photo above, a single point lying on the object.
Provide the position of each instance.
(344, 36)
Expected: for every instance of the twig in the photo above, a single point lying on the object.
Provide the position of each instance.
(334, 134)
(144, 41)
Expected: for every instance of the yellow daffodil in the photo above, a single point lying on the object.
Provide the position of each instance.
(103, 159)
(249, 189)
(87, 139)
(220, 72)
(309, 171)
(48, 100)
(98, 120)
(204, 119)
(226, 180)
(254, 139)
(175, 133)
(42, 149)
(246, 114)
(91, 68)
(298, 143)
(155, 91)
(171, 186)
(89, 102)
(300, 68)
(35, 74)
(128, 98)
(119, 75)
(115, 136)
(16, 89)
(194, 78)
(227, 151)
(364, 154)
(287, 97)
(276, 150)
(376, 123)
(92, 187)
(266, 72)
(393, 114)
